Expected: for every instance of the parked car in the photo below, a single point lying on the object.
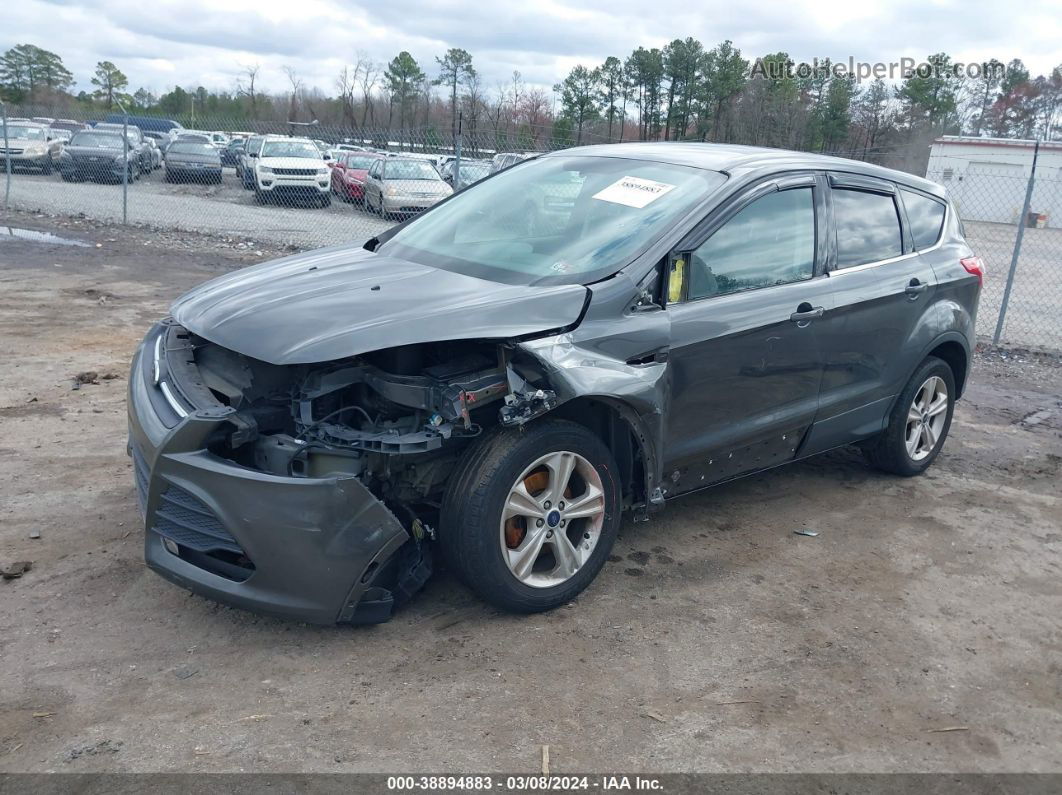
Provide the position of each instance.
(29, 146)
(349, 173)
(471, 171)
(145, 123)
(245, 165)
(193, 161)
(402, 186)
(193, 135)
(503, 160)
(230, 155)
(349, 148)
(291, 170)
(45, 120)
(161, 139)
(68, 124)
(307, 433)
(98, 155)
(137, 142)
(218, 140)
(59, 134)
(156, 152)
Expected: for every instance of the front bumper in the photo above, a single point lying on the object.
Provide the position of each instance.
(409, 204)
(103, 169)
(300, 548)
(24, 159)
(295, 185)
(195, 173)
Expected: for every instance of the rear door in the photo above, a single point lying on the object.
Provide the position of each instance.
(746, 355)
(881, 288)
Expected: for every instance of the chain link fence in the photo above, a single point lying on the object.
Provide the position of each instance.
(255, 182)
(1012, 215)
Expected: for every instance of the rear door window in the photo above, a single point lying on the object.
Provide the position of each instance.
(926, 217)
(867, 226)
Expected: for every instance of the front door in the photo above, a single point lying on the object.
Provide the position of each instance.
(746, 356)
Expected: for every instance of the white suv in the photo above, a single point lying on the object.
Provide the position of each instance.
(291, 169)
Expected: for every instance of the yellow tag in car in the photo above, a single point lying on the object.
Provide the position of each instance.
(676, 281)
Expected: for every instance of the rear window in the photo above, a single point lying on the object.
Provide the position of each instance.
(868, 227)
(926, 217)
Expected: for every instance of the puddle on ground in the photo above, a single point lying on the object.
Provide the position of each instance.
(15, 233)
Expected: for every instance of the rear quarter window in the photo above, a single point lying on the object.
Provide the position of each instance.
(926, 217)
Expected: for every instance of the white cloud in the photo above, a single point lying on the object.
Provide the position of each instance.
(199, 42)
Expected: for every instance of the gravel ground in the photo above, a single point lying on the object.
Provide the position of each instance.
(224, 209)
(1034, 315)
(919, 631)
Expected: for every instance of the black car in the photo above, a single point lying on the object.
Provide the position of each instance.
(98, 156)
(594, 331)
(144, 157)
(192, 161)
(230, 155)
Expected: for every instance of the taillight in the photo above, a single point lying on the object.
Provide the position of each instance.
(976, 266)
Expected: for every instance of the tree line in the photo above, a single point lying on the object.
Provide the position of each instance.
(682, 91)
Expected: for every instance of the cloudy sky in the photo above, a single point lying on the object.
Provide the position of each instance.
(160, 43)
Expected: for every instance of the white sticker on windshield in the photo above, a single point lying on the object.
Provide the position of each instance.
(633, 191)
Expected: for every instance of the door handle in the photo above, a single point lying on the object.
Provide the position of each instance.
(806, 313)
(915, 288)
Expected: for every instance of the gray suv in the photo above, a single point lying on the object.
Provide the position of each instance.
(307, 434)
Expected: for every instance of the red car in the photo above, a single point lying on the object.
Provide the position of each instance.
(349, 172)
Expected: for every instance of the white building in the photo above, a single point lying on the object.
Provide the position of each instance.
(987, 177)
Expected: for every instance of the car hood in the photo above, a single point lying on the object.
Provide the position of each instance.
(92, 151)
(338, 302)
(293, 162)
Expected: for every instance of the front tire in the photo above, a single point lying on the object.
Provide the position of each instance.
(919, 422)
(531, 515)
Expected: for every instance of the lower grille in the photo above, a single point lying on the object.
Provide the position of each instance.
(200, 537)
(186, 520)
(294, 172)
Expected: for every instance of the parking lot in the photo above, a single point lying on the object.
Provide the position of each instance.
(226, 209)
(918, 631)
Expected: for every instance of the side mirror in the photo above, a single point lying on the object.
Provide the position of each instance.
(253, 154)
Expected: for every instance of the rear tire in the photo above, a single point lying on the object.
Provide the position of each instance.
(918, 424)
(510, 558)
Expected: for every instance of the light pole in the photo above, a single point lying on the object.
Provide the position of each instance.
(7, 156)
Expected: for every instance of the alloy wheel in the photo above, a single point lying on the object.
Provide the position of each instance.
(926, 418)
(552, 519)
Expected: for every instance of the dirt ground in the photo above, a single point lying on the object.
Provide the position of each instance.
(919, 631)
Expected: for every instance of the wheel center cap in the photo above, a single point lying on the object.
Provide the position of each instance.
(553, 518)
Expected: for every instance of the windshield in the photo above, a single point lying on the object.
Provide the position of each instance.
(473, 172)
(98, 140)
(557, 220)
(361, 162)
(191, 148)
(290, 149)
(409, 169)
(26, 133)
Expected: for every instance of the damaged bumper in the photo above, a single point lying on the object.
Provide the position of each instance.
(302, 548)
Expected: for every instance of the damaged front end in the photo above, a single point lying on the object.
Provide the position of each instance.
(311, 490)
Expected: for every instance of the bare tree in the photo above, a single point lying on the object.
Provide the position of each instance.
(296, 87)
(472, 104)
(535, 112)
(245, 85)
